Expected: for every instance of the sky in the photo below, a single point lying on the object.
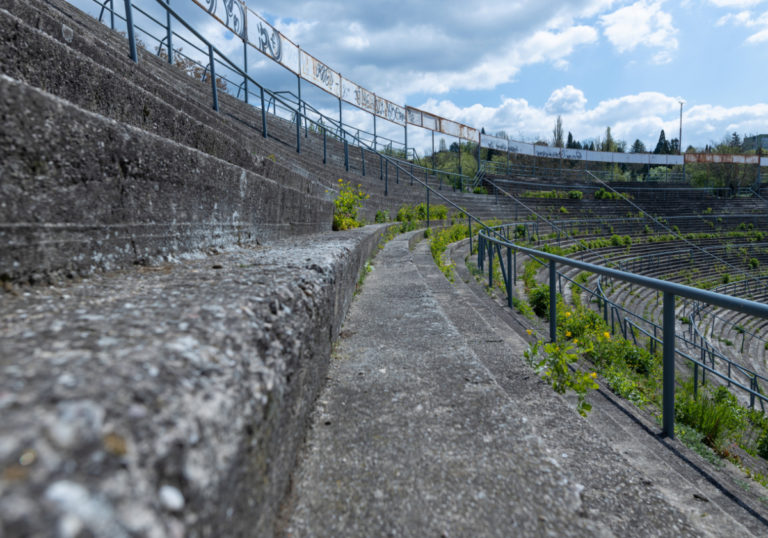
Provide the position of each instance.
(516, 65)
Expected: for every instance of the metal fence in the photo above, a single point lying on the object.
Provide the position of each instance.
(492, 244)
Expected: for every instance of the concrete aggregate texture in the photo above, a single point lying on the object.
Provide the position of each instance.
(419, 432)
(167, 400)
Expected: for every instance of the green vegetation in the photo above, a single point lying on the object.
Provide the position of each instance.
(554, 366)
(604, 194)
(411, 216)
(441, 238)
(381, 216)
(367, 268)
(345, 206)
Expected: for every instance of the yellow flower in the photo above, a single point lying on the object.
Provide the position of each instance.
(341, 180)
(567, 314)
(530, 332)
(593, 375)
(607, 335)
(575, 340)
(568, 333)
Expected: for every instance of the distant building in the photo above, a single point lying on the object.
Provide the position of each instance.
(753, 142)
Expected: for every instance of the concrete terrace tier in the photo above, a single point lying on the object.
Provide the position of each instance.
(168, 400)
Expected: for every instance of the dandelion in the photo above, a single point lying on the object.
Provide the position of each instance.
(593, 375)
(607, 335)
(529, 331)
(567, 314)
(575, 340)
(568, 334)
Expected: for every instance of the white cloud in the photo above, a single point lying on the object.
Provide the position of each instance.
(739, 4)
(565, 100)
(399, 47)
(748, 19)
(642, 23)
(637, 116)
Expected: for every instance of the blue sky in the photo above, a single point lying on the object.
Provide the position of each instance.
(515, 65)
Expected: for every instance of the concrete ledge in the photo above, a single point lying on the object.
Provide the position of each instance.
(86, 72)
(169, 400)
(82, 192)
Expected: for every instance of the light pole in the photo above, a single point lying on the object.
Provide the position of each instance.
(680, 135)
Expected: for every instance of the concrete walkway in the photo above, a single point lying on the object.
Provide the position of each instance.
(431, 425)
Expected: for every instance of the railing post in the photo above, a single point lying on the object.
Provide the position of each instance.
(131, 32)
(695, 381)
(298, 130)
(214, 89)
(509, 277)
(245, 67)
(386, 177)
(427, 207)
(263, 115)
(112, 25)
(490, 264)
(170, 34)
(469, 225)
(552, 301)
(480, 251)
(668, 383)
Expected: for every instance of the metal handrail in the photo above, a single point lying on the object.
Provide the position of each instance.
(670, 291)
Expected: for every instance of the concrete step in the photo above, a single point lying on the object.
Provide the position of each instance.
(431, 425)
(82, 192)
(713, 499)
(89, 74)
(168, 400)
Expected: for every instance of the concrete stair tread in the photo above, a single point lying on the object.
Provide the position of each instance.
(390, 448)
(713, 499)
(141, 393)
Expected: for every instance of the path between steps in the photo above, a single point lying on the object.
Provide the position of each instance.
(427, 428)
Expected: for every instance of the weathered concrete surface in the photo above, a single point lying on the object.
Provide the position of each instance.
(47, 50)
(419, 433)
(711, 498)
(81, 192)
(168, 400)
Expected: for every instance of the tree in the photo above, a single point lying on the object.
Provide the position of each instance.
(609, 144)
(572, 143)
(637, 147)
(442, 146)
(557, 132)
(662, 146)
(735, 140)
(674, 146)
